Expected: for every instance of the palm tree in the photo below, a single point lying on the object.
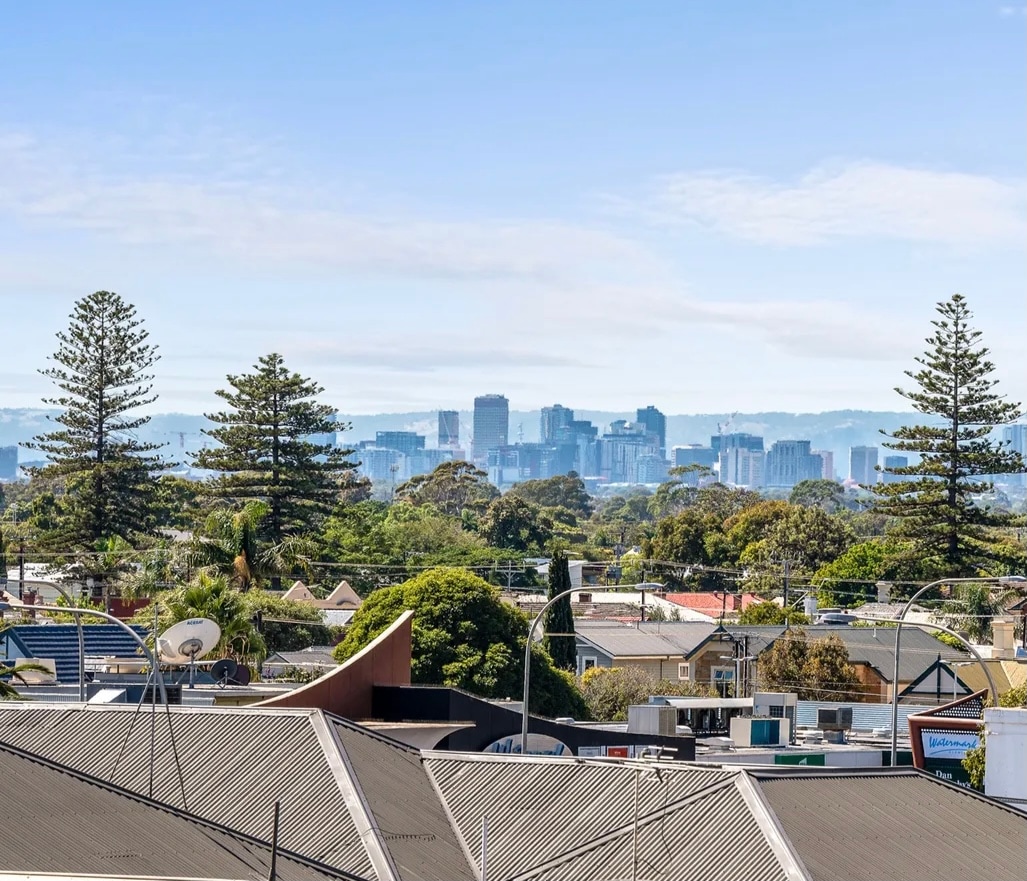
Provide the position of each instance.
(8, 691)
(230, 546)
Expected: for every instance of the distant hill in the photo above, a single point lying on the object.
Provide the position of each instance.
(835, 430)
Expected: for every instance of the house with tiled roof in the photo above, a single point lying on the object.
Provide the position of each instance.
(714, 603)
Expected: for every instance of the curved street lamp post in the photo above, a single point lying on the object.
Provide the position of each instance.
(998, 579)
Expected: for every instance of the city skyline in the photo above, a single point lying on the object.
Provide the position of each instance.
(709, 207)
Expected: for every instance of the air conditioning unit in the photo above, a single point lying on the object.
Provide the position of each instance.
(652, 719)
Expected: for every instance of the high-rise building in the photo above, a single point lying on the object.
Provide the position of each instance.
(554, 423)
(449, 428)
(8, 463)
(893, 462)
(827, 459)
(693, 455)
(655, 423)
(863, 465)
(790, 462)
(740, 466)
(491, 425)
(405, 442)
(1015, 438)
(721, 442)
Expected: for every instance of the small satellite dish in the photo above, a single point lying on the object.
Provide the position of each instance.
(223, 671)
(188, 640)
(242, 676)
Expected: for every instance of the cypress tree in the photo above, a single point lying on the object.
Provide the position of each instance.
(934, 500)
(101, 365)
(268, 448)
(559, 618)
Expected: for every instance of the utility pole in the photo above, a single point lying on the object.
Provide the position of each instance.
(787, 572)
(21, 570)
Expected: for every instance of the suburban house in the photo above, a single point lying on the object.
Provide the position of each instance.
(925, 663)
(717, 604)
(336, 610)
(660, 647)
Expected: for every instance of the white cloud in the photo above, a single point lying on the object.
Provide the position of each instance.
(260, 222)
(861, 199)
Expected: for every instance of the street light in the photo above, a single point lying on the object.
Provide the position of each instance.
(1000, 579)
(150, 656)
(527, 654)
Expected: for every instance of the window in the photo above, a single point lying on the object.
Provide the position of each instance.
(584, 597)
(684, 671)
(588, 663)
(777, 711)
(722, 680)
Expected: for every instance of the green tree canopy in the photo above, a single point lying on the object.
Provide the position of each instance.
(562, 491)
(453, 487)
(512, 523)
(770, 613)
(464, 636)
(826, 494)
(105, 473)
(609, 691)
(268, 448)
(934, 499)
(815, 669)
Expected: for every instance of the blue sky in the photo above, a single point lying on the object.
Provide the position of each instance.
(705, 206)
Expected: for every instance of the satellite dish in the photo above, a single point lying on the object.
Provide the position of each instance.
(224, 671)
(242, 676)
(188, 640)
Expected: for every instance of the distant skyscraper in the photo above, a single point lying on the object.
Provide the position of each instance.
(405, 442)
(863, 465)
(491, 424)
(449, 428)
(827, 459)
(554, 423)
(736, 439)
(8, 463)
(655, 423)
(693, 454)
(893, 462)
(1015, 436)
(790, 462)
(740, 466)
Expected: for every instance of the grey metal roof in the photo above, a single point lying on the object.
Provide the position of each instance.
(865, 717)
(101, 830)
(233, 762)
(874, 646)
(894, 825)
(350, 798)
(406, 809)
(652, 639)
(578, 817)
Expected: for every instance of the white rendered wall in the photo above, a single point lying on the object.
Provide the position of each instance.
(1005, 775)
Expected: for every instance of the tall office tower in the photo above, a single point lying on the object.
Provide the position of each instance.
(405, 442)
(790, 462)
(863, 465)
(8, 464)
(740, 439)
(742, 467)
(554, 422)
(894, 462)
(827, 460)
(655, 423)
(491, 424)
(1015, 437)
(449, 428)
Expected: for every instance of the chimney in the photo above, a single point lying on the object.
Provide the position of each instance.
(1002, 639)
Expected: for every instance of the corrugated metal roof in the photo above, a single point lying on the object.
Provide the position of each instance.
(555, 805)
(713, 837)
(58, 821)
(411, 821)
(898, 825)
(652, 639)
(60, 642)
(234, 763)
